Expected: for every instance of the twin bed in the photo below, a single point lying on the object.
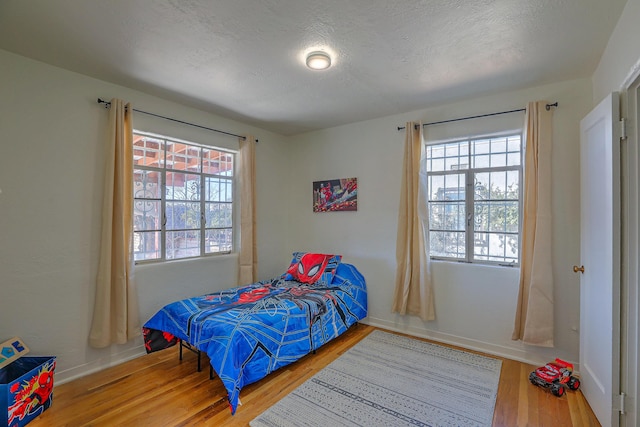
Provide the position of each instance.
(252, 330)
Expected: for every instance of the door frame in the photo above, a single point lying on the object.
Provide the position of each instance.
(630, 247)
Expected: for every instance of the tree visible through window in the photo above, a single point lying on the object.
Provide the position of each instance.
(474, 199)
(183, 199)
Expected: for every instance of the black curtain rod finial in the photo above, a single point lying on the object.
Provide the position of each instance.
(548, 106)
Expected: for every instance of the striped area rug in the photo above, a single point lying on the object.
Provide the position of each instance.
(391, 380)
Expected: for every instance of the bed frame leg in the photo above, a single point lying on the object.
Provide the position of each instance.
(198, 352)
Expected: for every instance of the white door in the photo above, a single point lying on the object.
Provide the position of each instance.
(600, 257)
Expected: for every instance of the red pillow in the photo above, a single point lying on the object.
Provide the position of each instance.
(311, 268)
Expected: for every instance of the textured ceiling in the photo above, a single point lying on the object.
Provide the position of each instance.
(244, 59)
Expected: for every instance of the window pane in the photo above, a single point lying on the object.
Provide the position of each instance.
(482, 161)
(499, 185)
(513, 185)
(182, 215)
(447, 187)
(481, 216)
(449, 156)
(182, 186)
(513, 248)
(447, 216)
(514, 144)
(481, 186)
(437, 165)
(146, 184)
(219, 240)
(481, 146)
(454, 188)
(218, 190)
(148, 151)
(216, 162)
(496, 216)
(481, 245)
(435, 156)
(183, 244)
(496, 247)
(447, 244)
(498, 145)
(183, 157)
(436, 184)
(513, 159)
(227, 165)
(146, 215)
(512, 217)
(498, 160)
(218, 215)
(146, 245)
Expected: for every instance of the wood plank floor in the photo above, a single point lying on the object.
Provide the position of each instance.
(159, 390)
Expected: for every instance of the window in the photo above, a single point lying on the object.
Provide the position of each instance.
(474, 199)
(183, 199)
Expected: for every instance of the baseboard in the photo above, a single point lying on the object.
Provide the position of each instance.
(496, 350)
(76, 372)
(471, 344)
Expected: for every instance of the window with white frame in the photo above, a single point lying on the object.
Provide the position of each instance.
(183, 199)
(475, 199)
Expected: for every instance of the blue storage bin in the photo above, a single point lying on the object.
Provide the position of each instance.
(26, 389)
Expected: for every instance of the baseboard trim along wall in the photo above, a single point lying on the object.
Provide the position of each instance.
(98, 365)
(488, 348)
(492, 349)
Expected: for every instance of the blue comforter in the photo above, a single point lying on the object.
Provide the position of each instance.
(252, 330)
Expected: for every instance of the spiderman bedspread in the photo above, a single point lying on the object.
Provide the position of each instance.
(252, 330)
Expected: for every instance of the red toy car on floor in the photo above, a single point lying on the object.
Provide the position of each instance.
(555, 376)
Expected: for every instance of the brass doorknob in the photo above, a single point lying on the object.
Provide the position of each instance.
(580, 269)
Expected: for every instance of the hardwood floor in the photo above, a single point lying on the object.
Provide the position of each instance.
(159, 390)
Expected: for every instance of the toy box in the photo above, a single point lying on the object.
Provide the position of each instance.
(26, 389)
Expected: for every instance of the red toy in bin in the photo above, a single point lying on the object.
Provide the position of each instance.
(26, 384)
(555, 376)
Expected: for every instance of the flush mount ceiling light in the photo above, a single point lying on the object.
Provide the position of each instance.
(318, 60)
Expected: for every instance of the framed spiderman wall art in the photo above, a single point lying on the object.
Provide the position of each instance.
(335, 195)
(252, 330)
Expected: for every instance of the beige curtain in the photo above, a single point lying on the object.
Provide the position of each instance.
(115, 314)
(414, 290)
(248, 257)
(534, 313)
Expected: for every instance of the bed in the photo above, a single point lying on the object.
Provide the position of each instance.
(252, 330)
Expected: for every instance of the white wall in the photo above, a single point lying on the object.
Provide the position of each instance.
(475, 305)
(621, 58)
(51, 139)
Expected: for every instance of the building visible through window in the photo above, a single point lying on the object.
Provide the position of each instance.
(474, 199)
(183, 199)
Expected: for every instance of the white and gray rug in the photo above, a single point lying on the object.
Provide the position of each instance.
(391, 380)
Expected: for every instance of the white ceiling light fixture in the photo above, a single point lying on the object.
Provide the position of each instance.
(318, 60)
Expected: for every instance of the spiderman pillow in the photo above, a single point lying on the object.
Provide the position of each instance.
(312, 268)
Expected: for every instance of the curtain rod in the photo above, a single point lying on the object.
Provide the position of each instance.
(548, 107)
(107, 104)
